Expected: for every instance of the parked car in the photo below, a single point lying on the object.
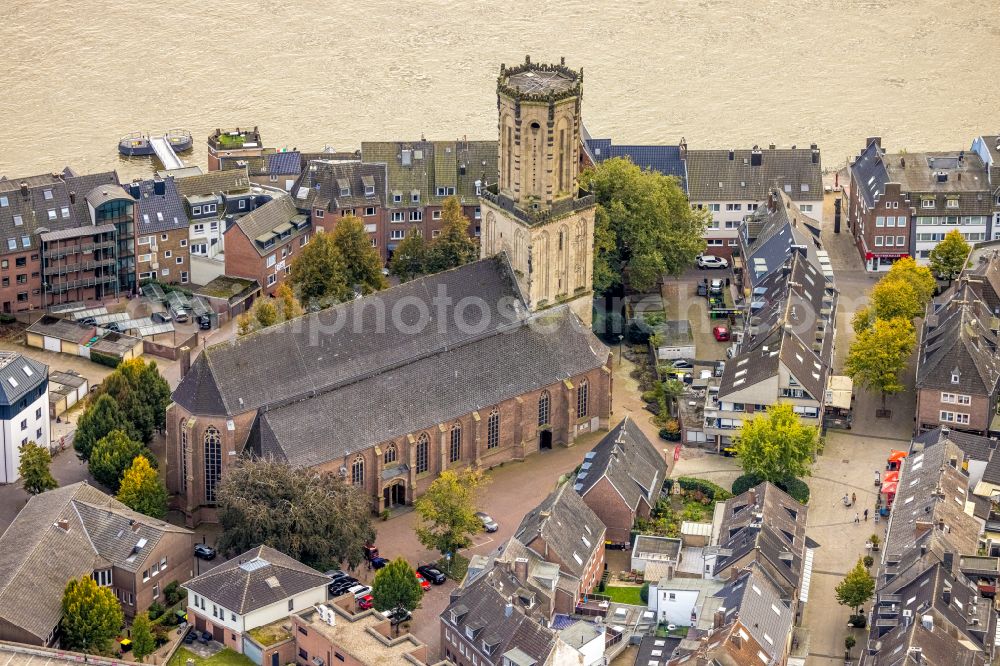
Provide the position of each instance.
(343, 587)
(720, 368)
(702, 289)
(114, 326)
(681, 364)
(721, 333)
(424, 585)
(360, 591)
(366, 602)
(489, 524)
(204, 551)
(379, 562)
(397, 615)
(180, 314)
(715, 287)
(432, 573)
(89, 321)
(161, 317)
(204, 322)
(711, 261)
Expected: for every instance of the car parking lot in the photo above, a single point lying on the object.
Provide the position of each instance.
(682, 300)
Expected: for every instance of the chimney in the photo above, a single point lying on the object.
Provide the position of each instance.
(877, 140)
(815, 155)
(72, 197)
(719, 618)
(732, 154)
(753, 496)
(902, 162)
(683, 149)
(946, 596)
(159, 187)
(63, 524)
(521, 569)
(948, 560)
(135, 524)
(134, 190)
(184, 356)
(670, 572)
(508, 610)
(24, 189)
(927, 622)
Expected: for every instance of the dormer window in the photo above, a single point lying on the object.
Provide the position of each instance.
(344, 186)
(956, 376)
(369, 184)
(415, 196)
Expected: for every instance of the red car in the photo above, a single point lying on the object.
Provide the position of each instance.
(424, 585)
(721, 333)
(366, 602)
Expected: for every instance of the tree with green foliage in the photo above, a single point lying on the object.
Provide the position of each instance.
(319, 274)
(91, 616)
(143, 640)
(409, 260)
(265, 313)
(288, 305)
(396, 586)
(776, 445)
(315, 518)
(856, 588)
(112, 455)
(453, 247)
(644, 226)
(34, 469)
(362, 263)
(142, 394)
(448, 511)
(141, 489)
(904, 291)
(879, 354)
(102, 415)
(949, 256)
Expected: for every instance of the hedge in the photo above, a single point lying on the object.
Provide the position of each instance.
(104, 359)
(794, 487)
(713, 491)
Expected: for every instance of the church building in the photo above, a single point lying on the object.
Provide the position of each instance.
(483, 364)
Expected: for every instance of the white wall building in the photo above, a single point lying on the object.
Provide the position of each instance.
(24, 409)
(675, 600)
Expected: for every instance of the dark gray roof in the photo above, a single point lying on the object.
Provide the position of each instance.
(265, 219)
(918, 172)
(334, 347)
(257, 578)
(761, 606)
(77, 232)
(19, 375)
(568, 526)
(630, 462)
(662, 159)
(287, 163)
(319, 186)
(482, 607)
(228, 181)
(722, 175)
(38, 558)
(424, 392)
(958, 337)
(767, 236)
(159, 212)
(975, 447)
(868, 173)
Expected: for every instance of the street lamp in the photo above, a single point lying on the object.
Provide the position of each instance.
(620, 338)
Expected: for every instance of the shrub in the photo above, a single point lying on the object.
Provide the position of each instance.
(670, 435)
(155, 610)
(649, 396)
(601, 586)
(745, 483)
(713, 491)
(858, 621)
(174, 592)
(869, 561)
(644, 593)
(849, 643)
(797, 488)
(105, 359)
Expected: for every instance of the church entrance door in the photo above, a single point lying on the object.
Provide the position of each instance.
(394, 494)
(545, 440)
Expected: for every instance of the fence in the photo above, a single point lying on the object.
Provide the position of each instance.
(166, 351)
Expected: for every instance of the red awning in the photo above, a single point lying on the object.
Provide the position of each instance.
(891, 476)
(896, 456)
(890, 488)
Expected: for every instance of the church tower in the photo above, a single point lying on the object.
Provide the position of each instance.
(536, 211)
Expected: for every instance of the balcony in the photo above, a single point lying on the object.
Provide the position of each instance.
(78, 267)
(59, 253)
(63, 287)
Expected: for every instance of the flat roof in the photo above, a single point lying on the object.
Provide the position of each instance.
(357, 636)
(76, 232)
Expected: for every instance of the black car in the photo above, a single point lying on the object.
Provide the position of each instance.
(431, 573)
(397, 615)
(161, 317)
(204, 322)
(203, 551)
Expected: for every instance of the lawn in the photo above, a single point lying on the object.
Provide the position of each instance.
(459, 565)
(269, 634)
(625, 594)
(225, 657)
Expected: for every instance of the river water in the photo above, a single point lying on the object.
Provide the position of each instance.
(77, 74)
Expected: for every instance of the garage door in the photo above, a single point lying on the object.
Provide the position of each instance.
(52, 344)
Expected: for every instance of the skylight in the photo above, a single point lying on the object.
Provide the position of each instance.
(12, 382)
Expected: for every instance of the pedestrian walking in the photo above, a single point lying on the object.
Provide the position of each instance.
(866, 515)
(857, 518)
(854, 498)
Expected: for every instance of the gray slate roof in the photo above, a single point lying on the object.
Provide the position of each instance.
(159, 212)
(319, 186)
(662, 159)
(227, 181)
(38, 558)
(754, 597)
(19, 375)
(567, 525)
(630, 462)
(742, 181)
(287, 163)
(266, 218)
(259, 577)
(868, 173)
(975, 447)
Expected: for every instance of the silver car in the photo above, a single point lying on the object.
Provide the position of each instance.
(489, 524)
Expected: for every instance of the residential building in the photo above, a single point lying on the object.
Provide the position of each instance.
(77, 531)
(621, 478)
(161, 244)
(678, 601)
(732, 184)
(764, 527)
(536, 212)
(929, 194)
(262, 244)
(51, 203)
(211, 201)
(988, 149)
(328, 190)
(274, 168)
(251, 590)
(333, 634)
(958, 371)
(233, 143)
(667, 160)
(420, 175)
(785, 353)
(80, 264)
(24, 410)
(493, 622)
(476, 394)
(655, 651)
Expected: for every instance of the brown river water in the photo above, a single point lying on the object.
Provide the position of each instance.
(77, 74)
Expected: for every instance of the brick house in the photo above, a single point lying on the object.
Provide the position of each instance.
(161, 227)
(422, 174)
(251, 590)
(233, 143)
(80, 263)
(273, 168)
(77, 531)
(212, 198)
(621, 478)
(476, 395)
(262, 244)
(958, 372)
(329, 190)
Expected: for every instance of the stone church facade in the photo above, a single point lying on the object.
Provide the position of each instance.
(536, 211)
(390, 390)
